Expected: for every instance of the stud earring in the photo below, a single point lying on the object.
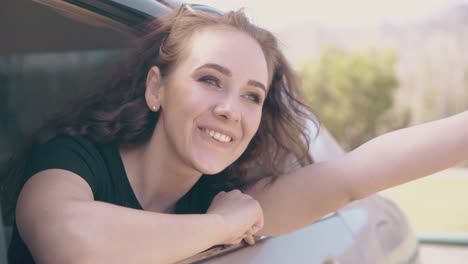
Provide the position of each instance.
(154, 108)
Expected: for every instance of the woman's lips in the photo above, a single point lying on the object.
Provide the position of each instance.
(205, 134)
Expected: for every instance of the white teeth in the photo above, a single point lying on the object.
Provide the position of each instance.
(218, 136)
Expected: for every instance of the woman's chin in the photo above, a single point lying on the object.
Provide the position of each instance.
(210, 167)
(210, 162)
(211, 171)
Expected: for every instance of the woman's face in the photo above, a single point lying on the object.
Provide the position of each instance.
(211, 103)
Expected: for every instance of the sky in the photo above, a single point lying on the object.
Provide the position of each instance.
(276, 15)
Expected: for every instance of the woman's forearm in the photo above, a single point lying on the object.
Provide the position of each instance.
(407, 154)
(297, 199)
(122, 235)
(135, 236)
(97, 232)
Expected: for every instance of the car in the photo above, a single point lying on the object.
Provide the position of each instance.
(63, 39)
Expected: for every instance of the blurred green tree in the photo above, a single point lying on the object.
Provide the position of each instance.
(352, 93)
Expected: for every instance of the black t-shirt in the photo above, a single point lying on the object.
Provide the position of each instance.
(99, 165)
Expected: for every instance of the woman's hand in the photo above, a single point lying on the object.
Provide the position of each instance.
(241, 214)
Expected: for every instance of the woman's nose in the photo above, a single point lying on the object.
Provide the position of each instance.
(228, 109)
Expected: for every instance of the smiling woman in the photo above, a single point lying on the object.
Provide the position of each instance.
(200, 94)
(162, 162)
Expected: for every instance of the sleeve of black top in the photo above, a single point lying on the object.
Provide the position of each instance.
(74, 154)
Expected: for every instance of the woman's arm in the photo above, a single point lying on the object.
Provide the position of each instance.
(297, 199)
(59, 221)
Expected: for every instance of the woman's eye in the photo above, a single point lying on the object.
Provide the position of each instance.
(210, 80)
(254, 98)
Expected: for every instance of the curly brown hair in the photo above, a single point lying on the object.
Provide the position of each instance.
(118, 113)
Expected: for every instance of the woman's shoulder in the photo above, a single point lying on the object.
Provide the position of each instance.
(77, 154)
(65, 145)
(68, 141)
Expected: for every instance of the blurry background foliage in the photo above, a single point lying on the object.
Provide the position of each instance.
(353, 93)
(365, 80)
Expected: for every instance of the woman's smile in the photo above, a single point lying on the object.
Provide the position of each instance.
(219, 139)
(218, 135)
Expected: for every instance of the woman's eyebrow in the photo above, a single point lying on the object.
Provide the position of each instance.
(257, 84)
(216, 67)
(227, 72)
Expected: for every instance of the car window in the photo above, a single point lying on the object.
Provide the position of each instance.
(33, 86)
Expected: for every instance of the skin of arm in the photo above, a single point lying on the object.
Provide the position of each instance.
(61, 223)
(297, 199)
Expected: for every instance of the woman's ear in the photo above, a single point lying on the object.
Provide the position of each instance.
(154, 91)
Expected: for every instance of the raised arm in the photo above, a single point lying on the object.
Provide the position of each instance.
(297, 199)
(60, 222)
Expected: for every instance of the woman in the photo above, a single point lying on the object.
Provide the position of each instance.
(121, 179)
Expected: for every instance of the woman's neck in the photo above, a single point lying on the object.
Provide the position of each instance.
(157, 178)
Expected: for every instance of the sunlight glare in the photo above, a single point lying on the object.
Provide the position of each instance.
(277, 14)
